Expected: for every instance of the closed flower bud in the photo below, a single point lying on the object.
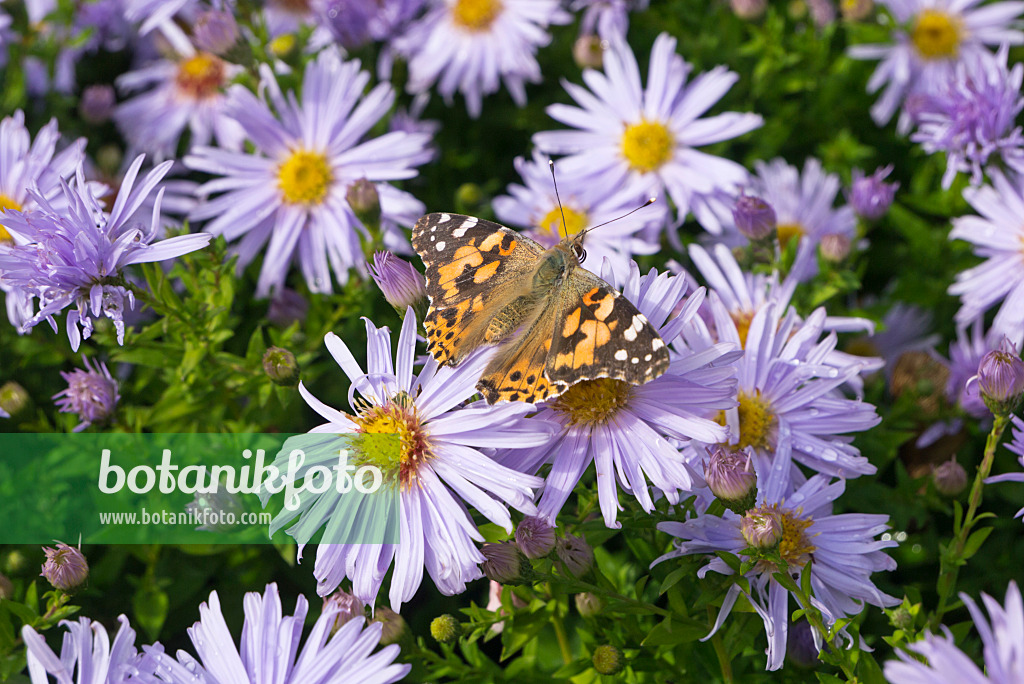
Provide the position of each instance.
(535, 537)
(902, 616)
(608, 660)
(65, 567)
(949, 478)
(350, 21)
(215, 31)
(15, 562)
(1001, 378)
(362, 196)
(870, 195)
(445, 629)
(6, 588)
(13, 398)
(287, 307)
(754, 217)
(504, 563)
(588, 52)
(761, 528)
(835, 247)
(748, 9)
(281, 367)
(403, 286)
(348, 607)
(97, 103)
(469, 195)
(394, 625)
(576, 554)
(856, 10)
(92, 394)
(589, 605)
(731, 478)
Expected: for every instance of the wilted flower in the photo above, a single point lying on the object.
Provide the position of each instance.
(870, 196)
(575, 553)
(91, 393)
(535, 537)
(65, 567)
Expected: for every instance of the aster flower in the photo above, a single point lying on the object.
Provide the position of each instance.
(609, 19)
(905, 328)
(629, 432)
(930, 39)
(87, 655)
(788, 387)
(290, 194)
(870, 196)
(91, 393)
(644, 140)
(996, 236)
(178, 93)
(973, 119)
(841, 549)
(76, 257)
(1016, 445)
(269, 649)
(471, 46)
(437, 468)
(1002, 636)
(584, 204)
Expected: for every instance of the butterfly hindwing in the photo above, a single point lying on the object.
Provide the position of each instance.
(516, 373)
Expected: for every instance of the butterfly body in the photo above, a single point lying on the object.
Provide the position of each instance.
(556, 322)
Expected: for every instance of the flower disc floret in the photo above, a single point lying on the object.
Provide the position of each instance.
(476, 15)
(593, 402)
(936, 34)
(647, 145)
(201, 76)
(305, 177)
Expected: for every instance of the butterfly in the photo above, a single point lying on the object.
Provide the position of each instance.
(557, 324)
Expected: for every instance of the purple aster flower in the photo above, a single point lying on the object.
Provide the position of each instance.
(627, 431)
(471, 46)
(930, 38)
(1016, 445)
(91, 393)
(644, 140)
(609, 19)
(290, 194)
(843, 548)
(186, 92)
(65, 567)
(1002, 638)
(870, 196)
(165, 16)
(269, 649)
(439, 466)
(996, 235)
(584, 204)
(87, 656)
(788, 387)
(76, 257)
(403, 286)
(973, 119)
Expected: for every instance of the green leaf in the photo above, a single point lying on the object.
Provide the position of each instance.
(150, 604)
(975, 541)
(675, 630)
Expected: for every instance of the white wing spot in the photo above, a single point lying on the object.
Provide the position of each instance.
(638, 322)
(440, 246)
(432, 229)
(621, 355)
(657, 344)
(445, 218)
(634, 360)
(459, 232)
(629, 334)
(647, 358)
(433, 237)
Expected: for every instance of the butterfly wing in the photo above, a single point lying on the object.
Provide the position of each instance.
(516, 373)
(474, 269)
(601, 334)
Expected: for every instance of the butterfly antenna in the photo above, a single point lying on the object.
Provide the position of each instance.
(565, 226)
(648, 203)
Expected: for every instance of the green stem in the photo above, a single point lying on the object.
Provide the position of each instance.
(813, 616)
(723, 658)
(952, 560)
(563, 639)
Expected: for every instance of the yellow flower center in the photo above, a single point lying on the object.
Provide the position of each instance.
(936, 34)
(788, 231)
(201, 76)
(742, 319)
(593, 402)
(647, 145)
(794, 545)
(305, 177)
(392, 438)
(282, 45)
(476, 15)
(758, 424)
(7, 202)
(575, 221)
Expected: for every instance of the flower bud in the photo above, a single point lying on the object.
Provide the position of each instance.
(403, 286)
(748, 9)
(535, 537)
(6, 588)
(870, 195)
(903, 616)
(349, 21)
(588, 52)
(754, 217)
(835, 247)
(575, 553)
(348, 607)
(469, 195)
(822, 12)
(761, 528)
(65, 567)
(364, 199)
(281, 367)
(445, 629)
(1001, 378)
(215, 510)
(608, 660)
(15, 562)
(92, 394)
(856, 10)
(287, 307)
(504, 563)
(97, 103)
(215, 31)
(949, 478)
(394, 625)
(730, 477)
(13, 398)
(282, 46)
(589, 605)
